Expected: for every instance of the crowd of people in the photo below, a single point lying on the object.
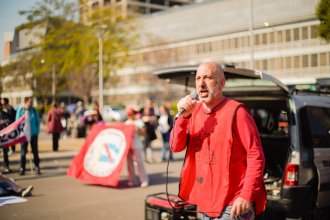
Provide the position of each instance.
(151, 122)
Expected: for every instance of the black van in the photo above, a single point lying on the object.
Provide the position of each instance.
(294, 127)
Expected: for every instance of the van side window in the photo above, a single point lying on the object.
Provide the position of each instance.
(316, 130)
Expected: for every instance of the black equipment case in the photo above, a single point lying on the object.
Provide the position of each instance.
(157, 207)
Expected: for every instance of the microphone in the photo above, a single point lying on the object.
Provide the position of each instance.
(193, 96)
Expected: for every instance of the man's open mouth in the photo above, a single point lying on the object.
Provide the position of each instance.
(204, 93)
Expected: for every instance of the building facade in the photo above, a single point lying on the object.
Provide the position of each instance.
(277, 37)
(129, 7)
(283, 41)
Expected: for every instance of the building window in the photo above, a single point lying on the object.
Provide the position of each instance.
(256, 39)
(305, 61)
(220, 43)
(323, 59)
(313, 31)
(245, 41)
(314, 60)
(232, 43)
(264, 38)
(271, 64)
(271, 37)
(296, 34)
(296, 61)
(279, 36)
(258, 64)
(215, 46)
(226, 44)
(280, 62)
(304, 35)
(288, 62)
(288, 35)
(207, 47)
(264, 65)
(200, 48)
(239, 42)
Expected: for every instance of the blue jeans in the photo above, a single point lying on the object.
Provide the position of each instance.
(5, 157)
(166, 146)
(4, 188)
(225, 215)
(34, 147)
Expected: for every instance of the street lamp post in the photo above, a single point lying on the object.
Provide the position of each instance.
(53, 82)
(251, 23)
(43, 61)
(100, 33)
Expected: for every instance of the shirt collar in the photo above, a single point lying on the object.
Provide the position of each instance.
(217, 106)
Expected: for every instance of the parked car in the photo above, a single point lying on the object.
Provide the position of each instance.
(113, 113)
(294, 128)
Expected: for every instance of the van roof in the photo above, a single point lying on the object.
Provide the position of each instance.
(185, 75)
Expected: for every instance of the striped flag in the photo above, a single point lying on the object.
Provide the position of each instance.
(17, 132)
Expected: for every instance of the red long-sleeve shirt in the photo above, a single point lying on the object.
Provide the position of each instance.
(246, 159)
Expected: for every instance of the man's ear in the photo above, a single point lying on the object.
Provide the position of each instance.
(222, 82)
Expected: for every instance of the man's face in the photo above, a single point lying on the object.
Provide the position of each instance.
(208, 84)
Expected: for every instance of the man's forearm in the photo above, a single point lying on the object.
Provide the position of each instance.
(178, 136)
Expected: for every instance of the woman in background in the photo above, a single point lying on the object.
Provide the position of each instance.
(54, 124)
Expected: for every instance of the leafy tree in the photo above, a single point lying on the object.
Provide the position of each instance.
(323, 14)
(71, 47)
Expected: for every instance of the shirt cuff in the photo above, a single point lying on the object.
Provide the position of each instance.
(247, 194)
(181, 121)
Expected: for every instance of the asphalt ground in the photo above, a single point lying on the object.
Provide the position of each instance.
(57, 196)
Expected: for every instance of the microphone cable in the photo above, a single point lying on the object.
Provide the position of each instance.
(168, 163)
(167, 171)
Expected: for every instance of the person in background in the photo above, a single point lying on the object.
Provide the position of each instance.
(11, 112)
(150, 121)
(65, 119)
(79, 120)
(135, 151)
(4, 122)
(54, 125)
(35, 128)
(224, 162)
(9, 187)
(165, 123)
(92, 117)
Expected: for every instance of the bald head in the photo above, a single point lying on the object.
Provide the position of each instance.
(214, 68)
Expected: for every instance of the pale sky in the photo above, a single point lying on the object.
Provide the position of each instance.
(9, 17)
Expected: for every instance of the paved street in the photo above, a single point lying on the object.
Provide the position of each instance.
(57, 196)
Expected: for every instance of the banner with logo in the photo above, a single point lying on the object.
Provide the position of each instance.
(17, 132)
(102, 157)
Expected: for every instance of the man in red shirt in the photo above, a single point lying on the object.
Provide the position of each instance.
(223, 168)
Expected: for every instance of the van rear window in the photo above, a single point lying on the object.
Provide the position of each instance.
(316, 130)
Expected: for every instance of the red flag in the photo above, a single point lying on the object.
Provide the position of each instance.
(17, 132)
(103, 154)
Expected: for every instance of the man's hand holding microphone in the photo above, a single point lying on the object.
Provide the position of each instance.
(186, 105)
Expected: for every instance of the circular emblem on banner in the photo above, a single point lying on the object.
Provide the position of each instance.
(105, 152)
